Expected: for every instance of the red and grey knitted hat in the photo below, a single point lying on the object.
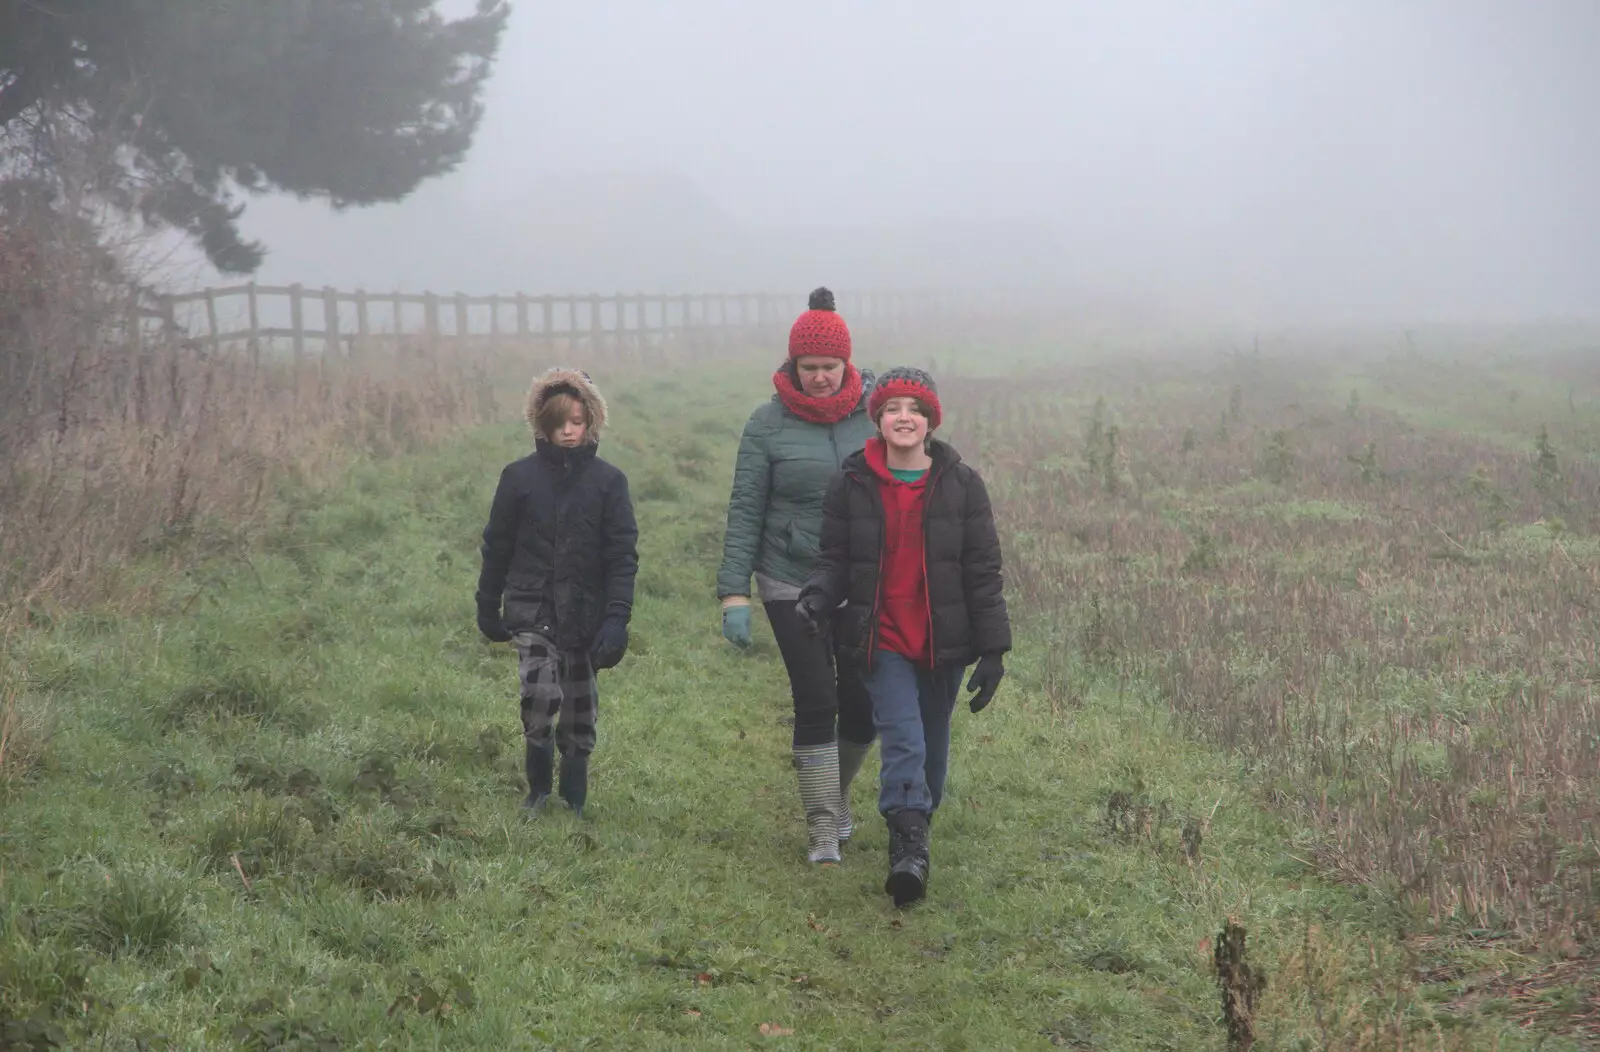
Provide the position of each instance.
(905, 381)
(820, 330)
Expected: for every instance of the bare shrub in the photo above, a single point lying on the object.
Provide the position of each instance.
(143, 450)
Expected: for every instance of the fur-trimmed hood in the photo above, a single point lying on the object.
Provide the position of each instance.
(574, 382)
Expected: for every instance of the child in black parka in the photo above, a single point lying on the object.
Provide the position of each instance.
(560, 554)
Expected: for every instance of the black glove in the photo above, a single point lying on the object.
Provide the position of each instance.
(490, 623)
(985, 680)
(610, 643)
(812, 609)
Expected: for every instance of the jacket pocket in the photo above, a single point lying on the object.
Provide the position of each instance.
(522, 611)
(801, 545)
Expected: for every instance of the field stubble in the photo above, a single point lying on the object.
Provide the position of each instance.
(1398, 626)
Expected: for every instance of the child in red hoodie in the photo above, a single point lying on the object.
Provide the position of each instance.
(909, 549)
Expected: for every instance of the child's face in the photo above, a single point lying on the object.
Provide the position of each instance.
(902, 424)
(570, 434)
(819, 376)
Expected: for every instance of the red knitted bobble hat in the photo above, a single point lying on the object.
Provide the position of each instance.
(820, 330)
(904, 381)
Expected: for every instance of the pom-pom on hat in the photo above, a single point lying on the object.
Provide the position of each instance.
(820, 330)
(905, 381)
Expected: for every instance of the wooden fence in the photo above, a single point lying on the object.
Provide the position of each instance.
(260, 316)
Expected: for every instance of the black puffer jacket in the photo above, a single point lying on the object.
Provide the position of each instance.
(961, 551)
(561, 545)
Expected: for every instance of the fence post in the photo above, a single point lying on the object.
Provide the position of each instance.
(135, 357)
(253, 304)
(330, 322)
(211, 319)
(169, 317)
(547, 318)
(494, 322)
(642, 325)
(363, 325)
(522, 316)
(463, 323)
(430, 320)
(397, 319)
(297, 324)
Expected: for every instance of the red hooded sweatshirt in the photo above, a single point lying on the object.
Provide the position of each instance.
(903, 616)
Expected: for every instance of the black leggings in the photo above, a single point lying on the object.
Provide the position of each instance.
(825, 689)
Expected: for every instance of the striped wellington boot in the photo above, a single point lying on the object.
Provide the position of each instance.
(818, 766)
(851, 756)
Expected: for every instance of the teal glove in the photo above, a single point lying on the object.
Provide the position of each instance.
(736, 625)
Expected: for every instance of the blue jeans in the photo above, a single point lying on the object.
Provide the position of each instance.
(911, 708)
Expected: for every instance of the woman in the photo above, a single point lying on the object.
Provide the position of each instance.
(792, 445)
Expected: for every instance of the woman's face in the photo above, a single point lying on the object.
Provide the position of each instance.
(819, 376)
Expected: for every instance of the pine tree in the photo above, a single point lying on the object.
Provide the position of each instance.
(195, 102)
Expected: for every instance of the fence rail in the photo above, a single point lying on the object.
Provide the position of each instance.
(333, 321)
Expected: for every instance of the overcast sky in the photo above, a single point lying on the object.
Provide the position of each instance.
(1411, 158)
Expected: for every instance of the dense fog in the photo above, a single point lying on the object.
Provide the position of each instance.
(1423, 160)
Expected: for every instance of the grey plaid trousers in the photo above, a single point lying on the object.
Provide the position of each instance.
(555, 683)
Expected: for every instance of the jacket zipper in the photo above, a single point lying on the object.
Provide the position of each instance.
(927, 588)
(877, 596)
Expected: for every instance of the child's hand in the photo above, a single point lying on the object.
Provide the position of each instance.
(985, 680)
(491, 624)
(813, 612)
(610, 643)
(736, 621)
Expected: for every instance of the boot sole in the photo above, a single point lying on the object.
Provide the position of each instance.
(905, 887)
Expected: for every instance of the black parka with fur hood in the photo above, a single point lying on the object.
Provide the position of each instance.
(561, 546)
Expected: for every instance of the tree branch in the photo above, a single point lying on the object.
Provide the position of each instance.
(17, 96)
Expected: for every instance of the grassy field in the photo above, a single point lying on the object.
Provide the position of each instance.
(280, 812)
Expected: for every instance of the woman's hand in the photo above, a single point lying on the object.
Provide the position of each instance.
(736, 620)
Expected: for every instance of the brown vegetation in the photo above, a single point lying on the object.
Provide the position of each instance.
(119, 438)
(1398, 627)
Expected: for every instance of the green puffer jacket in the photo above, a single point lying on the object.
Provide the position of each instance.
(775, 509)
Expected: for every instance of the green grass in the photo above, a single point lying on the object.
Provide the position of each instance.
(282, 813)
(1503, 392)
